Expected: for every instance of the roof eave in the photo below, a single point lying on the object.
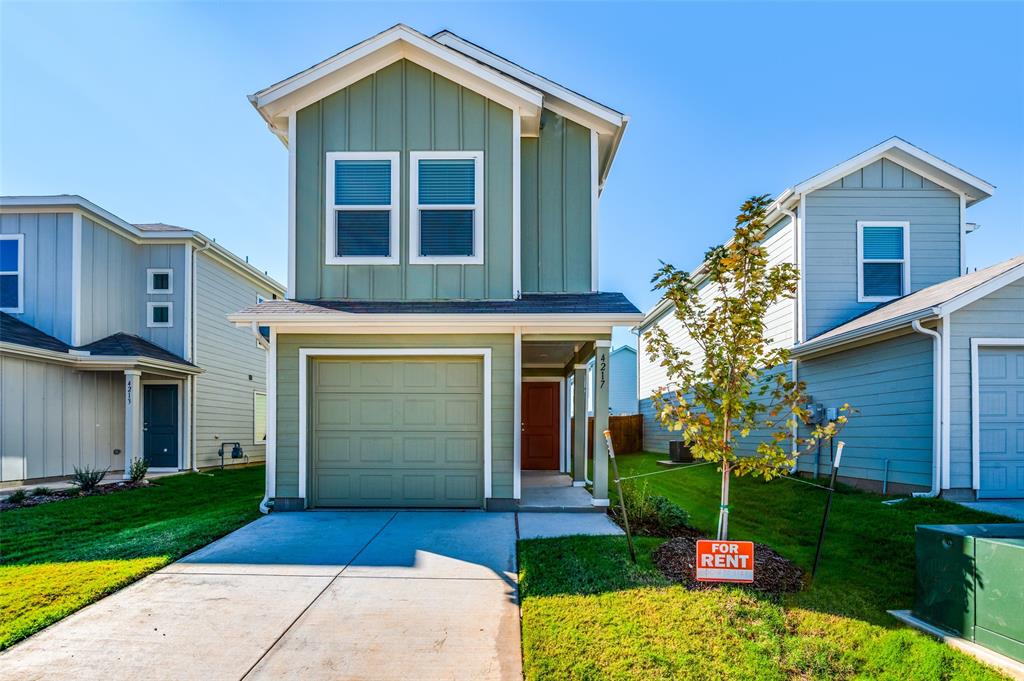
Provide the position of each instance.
(813, 347)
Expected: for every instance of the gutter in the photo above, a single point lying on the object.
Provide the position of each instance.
(192, 322)
(814, 347)
(936, 409)
(262, 342)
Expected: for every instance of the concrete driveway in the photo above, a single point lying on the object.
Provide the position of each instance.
(318, 595)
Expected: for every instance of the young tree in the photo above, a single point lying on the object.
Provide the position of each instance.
(731, 391)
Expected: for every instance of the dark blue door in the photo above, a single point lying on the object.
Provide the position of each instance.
(160, 425)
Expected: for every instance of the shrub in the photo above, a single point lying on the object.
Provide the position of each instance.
(650, 514)
(86, 479)
(41, 491)
(137, 471)
(17, 497)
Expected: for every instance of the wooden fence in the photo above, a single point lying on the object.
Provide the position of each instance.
(627, 434)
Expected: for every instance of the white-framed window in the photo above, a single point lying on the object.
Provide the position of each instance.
(446, 200)
(159, 315)
(883, 260)
(159, 280)
(362, 207)
(12, 273)
(259, 417)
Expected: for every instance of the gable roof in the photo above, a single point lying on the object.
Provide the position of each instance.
(934, 301)
(609, 123)
(458, 60)
(895, 149)
(277, 101)
(915, 158)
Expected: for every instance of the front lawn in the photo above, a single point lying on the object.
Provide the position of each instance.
(56, 558)
(588, 613)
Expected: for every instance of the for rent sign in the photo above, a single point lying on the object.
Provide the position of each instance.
(725, 561)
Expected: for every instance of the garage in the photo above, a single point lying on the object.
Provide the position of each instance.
(397, 432)
(1000, 425)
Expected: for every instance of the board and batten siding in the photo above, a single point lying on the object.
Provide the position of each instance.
(288, 424)
(882, 190)
(1000, 314)
(234, 366)
(53, 418)
(403, 107)
(555, 217)
(890, 384)
(114, 285)
(48, 244)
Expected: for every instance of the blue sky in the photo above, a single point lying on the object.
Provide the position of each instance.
(142, 108)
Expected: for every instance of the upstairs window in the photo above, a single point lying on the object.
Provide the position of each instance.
(159, 281)
(446, 199)
(12, 273)
(362, 208)
(883, 260)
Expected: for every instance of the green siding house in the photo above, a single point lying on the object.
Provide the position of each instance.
(888, 319)
(443, 250)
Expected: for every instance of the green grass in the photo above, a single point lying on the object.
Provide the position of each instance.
(56, 558)
(588, 613)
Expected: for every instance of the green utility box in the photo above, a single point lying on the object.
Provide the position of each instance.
(970, 582)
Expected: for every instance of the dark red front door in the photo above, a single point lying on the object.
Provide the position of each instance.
(540, 426)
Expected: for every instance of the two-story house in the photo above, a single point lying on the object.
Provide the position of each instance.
(443, 283)
(114, 344)
(887, 319)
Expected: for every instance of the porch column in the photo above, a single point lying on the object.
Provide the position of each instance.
(579, 425)
(602, 377)
(132, 418)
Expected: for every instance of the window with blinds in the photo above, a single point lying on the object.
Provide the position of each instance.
(362, 218)
(447, 199)
(883, 260)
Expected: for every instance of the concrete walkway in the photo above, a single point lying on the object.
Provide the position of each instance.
(317, 595)
(1011, 508)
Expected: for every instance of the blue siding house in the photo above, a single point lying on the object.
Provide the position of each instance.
(887, 319)
(114, 344)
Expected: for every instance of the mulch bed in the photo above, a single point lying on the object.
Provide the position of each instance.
(773, 574)
(73, 493)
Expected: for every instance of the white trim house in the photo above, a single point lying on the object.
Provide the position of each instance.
(119, 349)
(885, 318)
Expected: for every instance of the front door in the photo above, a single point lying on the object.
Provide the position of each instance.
(540, 428)
(160, 425)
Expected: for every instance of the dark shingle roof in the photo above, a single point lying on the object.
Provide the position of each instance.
(127, 345)
(530, 303)
(13, 330)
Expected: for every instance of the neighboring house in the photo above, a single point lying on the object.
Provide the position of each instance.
(623, 399)
(443, 278)
(887, 320)
(114, 343)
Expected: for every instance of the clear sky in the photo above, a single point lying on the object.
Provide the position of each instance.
(142, 108)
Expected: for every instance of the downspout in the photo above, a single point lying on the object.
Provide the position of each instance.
(262, 342)
(192, 336)
(796, 325)
(936, 409)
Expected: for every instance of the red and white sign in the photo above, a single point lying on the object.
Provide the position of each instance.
(725, 561)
